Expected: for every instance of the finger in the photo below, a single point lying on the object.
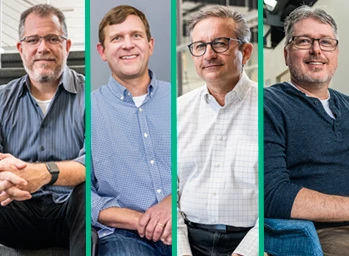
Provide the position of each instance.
(168, 240)
(3, 196)
(18, 194)
(4, 184)
(13, 178)
(143, 221)
(6, 202)
(150, 228)
(159, 228)
(166, 236)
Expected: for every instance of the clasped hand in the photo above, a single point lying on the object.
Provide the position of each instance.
(156, 223)
(17, 181)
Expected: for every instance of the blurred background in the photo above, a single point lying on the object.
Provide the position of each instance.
(187, 79)
(275, 12)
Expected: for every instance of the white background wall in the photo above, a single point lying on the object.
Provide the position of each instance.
(274, 64)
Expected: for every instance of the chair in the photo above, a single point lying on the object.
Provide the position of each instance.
(291, 238)
(94, 238)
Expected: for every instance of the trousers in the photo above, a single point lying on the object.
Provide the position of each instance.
(42, 223)
(128, 243)
(208, 243)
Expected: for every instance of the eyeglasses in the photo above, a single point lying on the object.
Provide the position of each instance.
(50, 39)
(218, 45)
(304, 42)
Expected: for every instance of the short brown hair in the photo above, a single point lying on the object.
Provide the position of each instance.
(118, 15)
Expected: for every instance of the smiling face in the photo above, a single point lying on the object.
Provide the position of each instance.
(312, 66)
(43, 62)
(127, 49)
(221, 68)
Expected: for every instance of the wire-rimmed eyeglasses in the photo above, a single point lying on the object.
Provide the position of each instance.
(219, 45)
(304, 42)
(50, 38)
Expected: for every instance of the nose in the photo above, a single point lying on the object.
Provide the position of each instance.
(128, 43)
(315, 47)
(43, 46)
(210, 53)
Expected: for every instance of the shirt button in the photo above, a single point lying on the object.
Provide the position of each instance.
(214, 193)
(122, 97)
(145, 135)
(128, 94)
(220, 137)
(152, 162)
(140, 109)
(42, 148)
(218, 164)
(158, 191)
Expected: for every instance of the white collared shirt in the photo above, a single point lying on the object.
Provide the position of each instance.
(217, 162)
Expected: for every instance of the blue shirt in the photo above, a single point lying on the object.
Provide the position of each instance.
(303, 147)
(28, 134)
(131, 149)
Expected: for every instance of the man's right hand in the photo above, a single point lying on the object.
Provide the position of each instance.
(8, 189)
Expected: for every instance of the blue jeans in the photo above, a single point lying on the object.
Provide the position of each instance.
(129, 243)
(291, 238)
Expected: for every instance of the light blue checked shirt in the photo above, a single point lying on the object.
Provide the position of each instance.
(131, 149)
(28, 134)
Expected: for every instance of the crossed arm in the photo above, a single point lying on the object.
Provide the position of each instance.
(154, 224)
(19, 179)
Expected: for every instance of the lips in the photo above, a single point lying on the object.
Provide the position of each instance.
(128, 57)
(212, 66)
(44, 59)
(312, 61)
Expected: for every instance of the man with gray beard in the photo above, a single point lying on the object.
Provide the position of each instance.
(42, 126)
(306, 138)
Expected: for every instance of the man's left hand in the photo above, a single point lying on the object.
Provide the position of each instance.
(156, 222)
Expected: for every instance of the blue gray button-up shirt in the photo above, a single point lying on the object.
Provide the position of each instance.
(131, 149)
(28, 134)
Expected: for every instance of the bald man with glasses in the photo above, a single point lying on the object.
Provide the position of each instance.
(218, 141)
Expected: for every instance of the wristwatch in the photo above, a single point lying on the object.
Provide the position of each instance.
(54, 171)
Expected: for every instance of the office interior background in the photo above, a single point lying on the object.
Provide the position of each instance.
(275, 69)
(187, 78)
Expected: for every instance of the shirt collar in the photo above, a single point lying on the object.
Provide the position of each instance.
(122, 93)
(238, 92)
(66, 79)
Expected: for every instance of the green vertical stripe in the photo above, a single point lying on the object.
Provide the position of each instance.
(174, 126)
(88, 126)
(261, 126)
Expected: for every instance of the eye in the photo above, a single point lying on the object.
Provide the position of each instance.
(303, 40)
(199, 46)
(116, 38)
(137, 36)
(32, 39)
(327, 42)
(53, 39)
(219, 43)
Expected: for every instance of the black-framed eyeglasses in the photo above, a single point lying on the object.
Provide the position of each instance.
(304, 42)
(50, 39)
(219, 45)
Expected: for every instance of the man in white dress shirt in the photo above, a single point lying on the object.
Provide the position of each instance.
(218, 141)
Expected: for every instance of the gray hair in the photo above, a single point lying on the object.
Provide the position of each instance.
(42, 10)
(304, 12)
(242, 31)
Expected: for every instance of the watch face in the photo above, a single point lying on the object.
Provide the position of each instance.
(52, 167)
